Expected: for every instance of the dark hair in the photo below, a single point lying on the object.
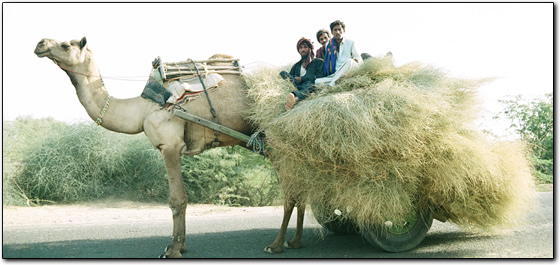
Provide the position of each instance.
(321, 32)
(338, 22)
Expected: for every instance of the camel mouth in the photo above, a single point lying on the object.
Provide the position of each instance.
(41, 54)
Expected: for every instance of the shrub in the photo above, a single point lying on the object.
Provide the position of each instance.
(232, 176)
(50, 161)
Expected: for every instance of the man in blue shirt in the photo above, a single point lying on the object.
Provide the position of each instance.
(341, 55)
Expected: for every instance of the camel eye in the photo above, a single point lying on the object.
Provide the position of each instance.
(65, 46)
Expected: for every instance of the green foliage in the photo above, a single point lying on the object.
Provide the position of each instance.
(232, 176)
(534, 122)
(49, 161)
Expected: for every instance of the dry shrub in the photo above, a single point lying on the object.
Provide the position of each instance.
(386, 137)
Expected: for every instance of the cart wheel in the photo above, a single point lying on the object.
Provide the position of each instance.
(331, 218)
(400, 236)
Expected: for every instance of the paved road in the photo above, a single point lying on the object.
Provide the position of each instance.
(245, 232)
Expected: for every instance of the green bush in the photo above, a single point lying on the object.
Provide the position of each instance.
(533, 121)
(232, 176)
(49, 161)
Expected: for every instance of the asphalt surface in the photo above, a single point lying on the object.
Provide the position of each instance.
(245, 234)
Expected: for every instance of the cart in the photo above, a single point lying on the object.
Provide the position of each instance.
(392, 236)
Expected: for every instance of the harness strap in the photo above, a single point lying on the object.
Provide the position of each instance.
(216, 142)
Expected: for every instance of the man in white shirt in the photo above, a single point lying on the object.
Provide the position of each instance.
(341, 55)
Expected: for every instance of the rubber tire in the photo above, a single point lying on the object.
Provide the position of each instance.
(391, 242)
(326, 217)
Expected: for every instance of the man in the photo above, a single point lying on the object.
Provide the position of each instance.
(341, 55)
(323, 37)
(303, 73)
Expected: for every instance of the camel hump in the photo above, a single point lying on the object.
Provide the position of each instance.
(220, 56)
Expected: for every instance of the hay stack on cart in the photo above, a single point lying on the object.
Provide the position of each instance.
(387, 141)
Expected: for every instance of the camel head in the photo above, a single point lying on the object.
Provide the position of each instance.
(63, 53)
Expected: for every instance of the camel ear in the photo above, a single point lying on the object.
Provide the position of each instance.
(83, 42)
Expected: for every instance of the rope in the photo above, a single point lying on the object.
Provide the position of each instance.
(212, 111)
(216, 142)
(258, 143)
(142, 78)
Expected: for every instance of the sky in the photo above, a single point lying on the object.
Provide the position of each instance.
(512, 42)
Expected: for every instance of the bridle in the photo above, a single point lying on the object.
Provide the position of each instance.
(69, 70)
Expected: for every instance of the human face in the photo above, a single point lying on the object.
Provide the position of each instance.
(337, 32)
(303, 49)
(323, 39)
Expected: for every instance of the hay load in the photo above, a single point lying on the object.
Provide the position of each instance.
(386, 138)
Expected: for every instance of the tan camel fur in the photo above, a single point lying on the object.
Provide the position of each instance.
(169, 134)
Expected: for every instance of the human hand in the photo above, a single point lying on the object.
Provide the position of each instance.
(284, 74)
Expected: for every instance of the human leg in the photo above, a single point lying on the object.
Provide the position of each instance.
(345, 67)
(301, 93)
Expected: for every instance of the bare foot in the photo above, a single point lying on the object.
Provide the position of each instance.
(291, 101)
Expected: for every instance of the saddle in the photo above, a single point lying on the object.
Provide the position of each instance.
(176, 82)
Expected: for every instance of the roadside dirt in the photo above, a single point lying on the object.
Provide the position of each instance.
(116, 211)
(113, 211)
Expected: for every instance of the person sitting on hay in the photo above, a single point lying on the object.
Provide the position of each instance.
(323, 37)
(341, 55)
(303, 74)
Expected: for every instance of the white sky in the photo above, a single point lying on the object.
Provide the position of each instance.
(512, 42)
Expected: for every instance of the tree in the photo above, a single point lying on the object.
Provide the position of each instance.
(534, 123)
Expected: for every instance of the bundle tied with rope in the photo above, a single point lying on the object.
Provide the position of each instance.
(386, 138)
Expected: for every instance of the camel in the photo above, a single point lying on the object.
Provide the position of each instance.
(171, 135)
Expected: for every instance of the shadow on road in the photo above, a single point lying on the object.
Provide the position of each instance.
(236, 244)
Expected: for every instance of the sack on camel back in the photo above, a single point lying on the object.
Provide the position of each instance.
(154, 89)
(156, 92)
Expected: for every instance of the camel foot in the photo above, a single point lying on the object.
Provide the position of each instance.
(289, 244)
(273, 250)
(183, 249)
(173, 254)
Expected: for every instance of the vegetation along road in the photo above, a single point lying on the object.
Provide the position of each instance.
(131, 230)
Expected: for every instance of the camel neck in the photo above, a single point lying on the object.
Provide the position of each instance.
(121, 115)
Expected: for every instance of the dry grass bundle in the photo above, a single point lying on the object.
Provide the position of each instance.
(385, 137)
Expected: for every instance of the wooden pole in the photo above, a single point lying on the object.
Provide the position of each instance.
(212, 125)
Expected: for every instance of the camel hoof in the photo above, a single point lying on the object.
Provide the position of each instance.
(167, 256)
(269, 250)
(183, 249)
(287, 244)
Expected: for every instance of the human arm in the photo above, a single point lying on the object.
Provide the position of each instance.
(292, 74)
(314, 71)
(355, 54)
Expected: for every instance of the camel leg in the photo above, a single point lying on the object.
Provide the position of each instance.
(177, 200)
(296, 241)
(278, 245)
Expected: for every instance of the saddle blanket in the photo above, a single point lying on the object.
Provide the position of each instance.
(180, 90)
(191, 85)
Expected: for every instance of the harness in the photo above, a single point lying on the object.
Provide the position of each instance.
(185, 70)
(216, 142)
